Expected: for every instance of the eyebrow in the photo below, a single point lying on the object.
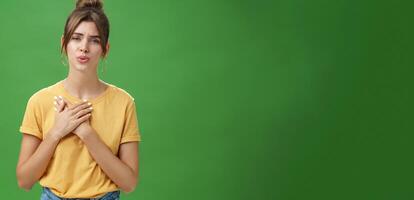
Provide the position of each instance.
(92, 36)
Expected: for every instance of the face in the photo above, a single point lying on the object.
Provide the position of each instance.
(84, 48)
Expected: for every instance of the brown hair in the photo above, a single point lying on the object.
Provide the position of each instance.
(89, 11)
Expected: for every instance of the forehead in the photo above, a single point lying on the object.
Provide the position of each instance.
(87, 28)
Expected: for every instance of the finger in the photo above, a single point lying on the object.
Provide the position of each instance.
(73, 107)
(61, 107)
(83, 118)
(56, 103)
(57, 109)
(59, 104)
(83, 105)
(83, 112)
(63, 102)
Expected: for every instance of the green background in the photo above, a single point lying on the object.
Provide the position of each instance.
(238, 99)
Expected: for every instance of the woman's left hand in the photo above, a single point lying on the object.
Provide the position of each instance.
(84, 128)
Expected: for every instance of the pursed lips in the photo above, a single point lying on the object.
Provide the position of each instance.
(82, 59)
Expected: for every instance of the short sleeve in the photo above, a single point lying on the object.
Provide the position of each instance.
(131, 132)
(31, 123)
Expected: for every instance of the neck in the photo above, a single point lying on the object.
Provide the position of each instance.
(84, 85)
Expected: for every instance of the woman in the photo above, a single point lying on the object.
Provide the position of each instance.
(80, 135)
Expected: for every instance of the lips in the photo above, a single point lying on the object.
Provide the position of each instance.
(82, 59)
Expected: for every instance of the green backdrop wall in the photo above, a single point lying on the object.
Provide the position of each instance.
(283, 99)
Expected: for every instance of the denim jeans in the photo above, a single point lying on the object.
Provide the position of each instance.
(48, 195)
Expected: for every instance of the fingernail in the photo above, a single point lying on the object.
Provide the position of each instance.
(85, 100)
(54, 102)
(89, 104)
(90, 108)
(55, 109)
(60, 97)
(55, 97)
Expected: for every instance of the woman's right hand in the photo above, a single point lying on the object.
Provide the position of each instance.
(67, 117)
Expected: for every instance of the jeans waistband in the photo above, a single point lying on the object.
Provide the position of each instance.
(49, 195)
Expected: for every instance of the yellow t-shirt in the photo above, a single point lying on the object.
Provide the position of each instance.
(72, 172)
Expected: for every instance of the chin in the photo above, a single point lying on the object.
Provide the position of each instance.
(81, 67)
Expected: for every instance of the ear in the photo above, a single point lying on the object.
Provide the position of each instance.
(61, 44)
(107, 49)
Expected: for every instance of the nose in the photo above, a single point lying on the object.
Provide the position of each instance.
(84, 50)
(84, 47)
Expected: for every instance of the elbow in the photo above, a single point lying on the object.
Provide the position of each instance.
(130, 187)
(23, 183)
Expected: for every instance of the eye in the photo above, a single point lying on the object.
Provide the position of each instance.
(96, 41)
(76, 38)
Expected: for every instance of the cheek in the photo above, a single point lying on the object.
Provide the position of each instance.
(97, 48)
(70, 49)
(96, 51)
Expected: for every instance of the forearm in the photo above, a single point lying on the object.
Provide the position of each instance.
(32, 169)
(119, 172)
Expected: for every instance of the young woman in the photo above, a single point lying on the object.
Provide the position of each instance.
(80, 135)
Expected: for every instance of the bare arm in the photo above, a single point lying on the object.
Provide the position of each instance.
(34, 158)
(123, 171)
(35, 154)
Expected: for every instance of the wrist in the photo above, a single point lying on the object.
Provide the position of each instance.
(56, 134)
(85, 134)
(53, 135)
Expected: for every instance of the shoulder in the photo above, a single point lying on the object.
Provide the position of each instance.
(43, 95)
(121, 95)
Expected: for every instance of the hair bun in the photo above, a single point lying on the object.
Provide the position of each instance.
(89, 4)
